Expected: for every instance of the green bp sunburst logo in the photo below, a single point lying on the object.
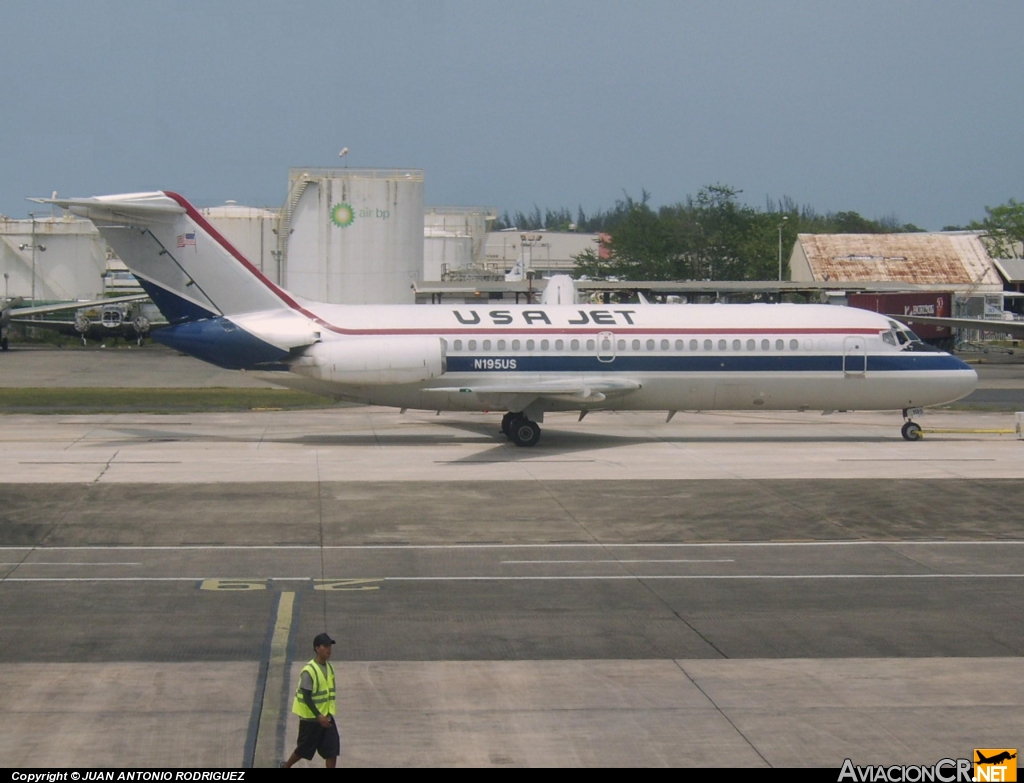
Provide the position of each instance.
(342, 215)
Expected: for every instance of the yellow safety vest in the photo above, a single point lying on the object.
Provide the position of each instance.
(323, 692)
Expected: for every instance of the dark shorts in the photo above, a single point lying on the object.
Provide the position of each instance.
(313, 738)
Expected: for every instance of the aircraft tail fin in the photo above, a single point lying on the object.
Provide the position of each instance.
(189, 269)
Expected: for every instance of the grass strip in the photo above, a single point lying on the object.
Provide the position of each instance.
(102, 400)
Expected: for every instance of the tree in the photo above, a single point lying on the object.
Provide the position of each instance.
(1004, 229)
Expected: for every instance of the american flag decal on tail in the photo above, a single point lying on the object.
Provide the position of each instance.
(187, 240)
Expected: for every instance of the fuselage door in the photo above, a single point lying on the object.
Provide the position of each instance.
(855, 356)
(606, 347)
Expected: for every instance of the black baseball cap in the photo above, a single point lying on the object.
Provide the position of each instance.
(322, 640)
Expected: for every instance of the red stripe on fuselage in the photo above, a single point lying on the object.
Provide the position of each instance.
(283, 295)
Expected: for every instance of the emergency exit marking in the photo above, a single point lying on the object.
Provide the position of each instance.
(346, 584)
(231, 584)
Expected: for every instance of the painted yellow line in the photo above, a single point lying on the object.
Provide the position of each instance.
(268, 751)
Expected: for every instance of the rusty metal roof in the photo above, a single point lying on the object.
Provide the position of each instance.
(944, 258)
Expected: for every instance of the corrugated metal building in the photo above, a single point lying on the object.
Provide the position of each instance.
(954, 261)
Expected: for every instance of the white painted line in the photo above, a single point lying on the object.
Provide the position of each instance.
(30, 563)
(639, 578)
(559, 545)
(546, 562)
(696, 577)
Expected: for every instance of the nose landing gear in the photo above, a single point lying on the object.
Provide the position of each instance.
(911, 430)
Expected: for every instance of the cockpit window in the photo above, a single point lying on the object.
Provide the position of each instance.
(898, 333)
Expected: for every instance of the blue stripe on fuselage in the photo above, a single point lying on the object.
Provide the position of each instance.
(722, 363)
(220, 342)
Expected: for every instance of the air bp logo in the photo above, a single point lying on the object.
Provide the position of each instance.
(342, 215)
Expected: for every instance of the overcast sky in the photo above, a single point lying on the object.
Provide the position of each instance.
(913, 109)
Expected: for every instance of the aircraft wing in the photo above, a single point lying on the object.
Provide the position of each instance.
(22, 312)
(568, 389)
(1014, 328)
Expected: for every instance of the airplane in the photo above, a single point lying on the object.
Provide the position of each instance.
(11, 311)
(105, 319)
(523, 359)
(996, 759)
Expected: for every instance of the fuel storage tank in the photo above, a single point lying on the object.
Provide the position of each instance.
(352, 236)
(453, 239)
(253, 230)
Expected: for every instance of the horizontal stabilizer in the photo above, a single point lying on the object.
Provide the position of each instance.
(147, 207)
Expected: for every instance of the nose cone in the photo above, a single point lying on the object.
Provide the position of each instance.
(962, 380)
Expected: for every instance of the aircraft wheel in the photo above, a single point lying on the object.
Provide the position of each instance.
(911, 431)
(524, 432)
(506, 422)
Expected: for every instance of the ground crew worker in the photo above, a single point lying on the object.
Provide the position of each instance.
(314, 704)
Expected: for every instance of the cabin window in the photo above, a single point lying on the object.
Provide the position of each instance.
(780, 345)
(723, 344)
(622, 345)
(707, 345)
(472, 345)
(530, 344)
(737, 345)
(501, 345)
(808, 345)
(650, 345)
(693, 345)
(679, 345)
(544, 344)
(590, 345)
(574, 345)
(636, 345)
(664, 345)
(794, 345)
(515, 345)
(751, 345)
(487, 345)
(458, 345)
(606, 344)
(559, 345)
(766, 345)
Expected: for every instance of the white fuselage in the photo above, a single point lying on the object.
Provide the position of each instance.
(683, 357)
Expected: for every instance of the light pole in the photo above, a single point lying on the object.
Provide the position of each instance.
(781, 224)
(35, 246)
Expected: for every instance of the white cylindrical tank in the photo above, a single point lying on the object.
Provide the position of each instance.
(69, 260)
(353, 236)
(453, 238)
(252, 231)
(445, 251)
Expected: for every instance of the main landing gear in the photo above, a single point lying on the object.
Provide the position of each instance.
(911, 430)
(519, 429)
